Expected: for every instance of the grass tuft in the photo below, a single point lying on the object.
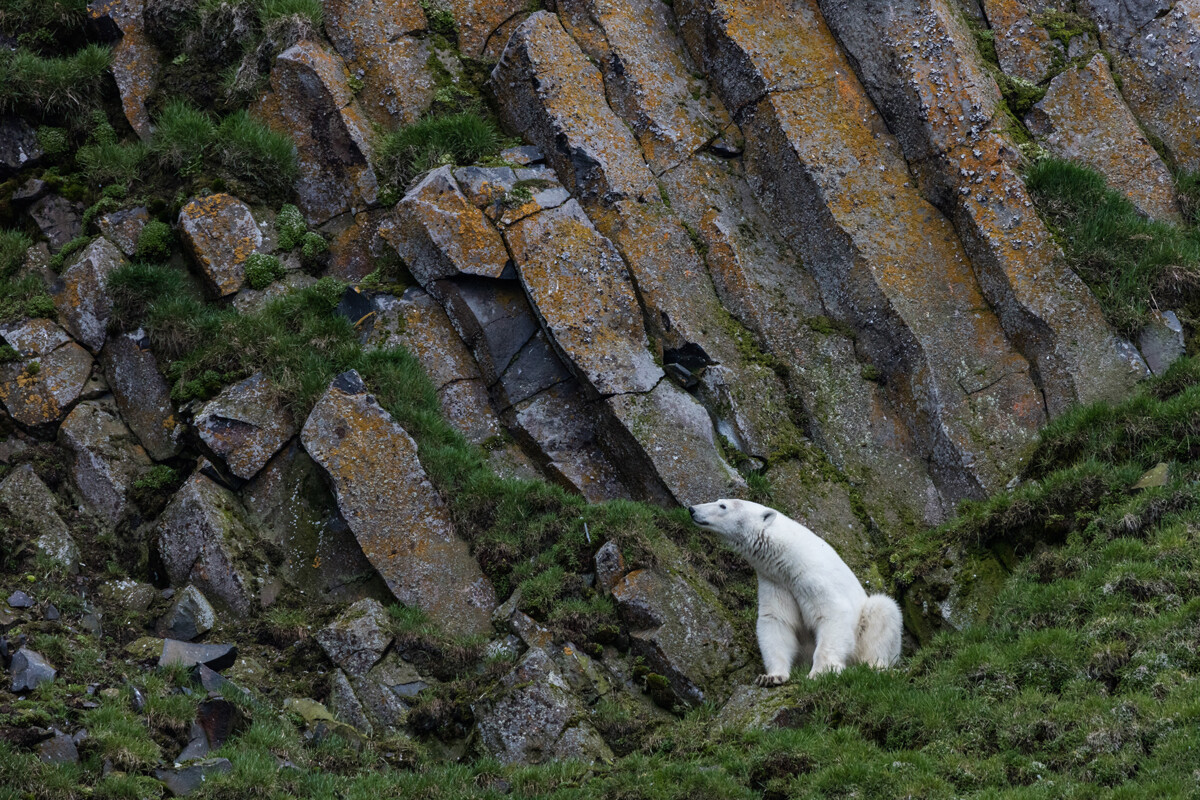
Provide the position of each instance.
(311, 10)
(53, 86)
(461, 138)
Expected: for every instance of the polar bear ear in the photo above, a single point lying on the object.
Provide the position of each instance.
(769, 516)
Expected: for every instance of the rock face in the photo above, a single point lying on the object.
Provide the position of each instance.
(18, 146)
(357, 638)
(27, 499)
(59, 219)
(1083, 118)
(82, 297)
(106, 458)
(397, 516)
(134, 59)
(123, 227)
(142, 395)
(221, 233)
(245, 425)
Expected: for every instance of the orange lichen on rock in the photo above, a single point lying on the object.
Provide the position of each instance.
(221, 233)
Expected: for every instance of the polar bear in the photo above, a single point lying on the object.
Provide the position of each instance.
(809, 602)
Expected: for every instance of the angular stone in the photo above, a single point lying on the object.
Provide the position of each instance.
(106, 458)
(59, 219)
(20, 599)
(189, 654)
(182, 781)
(126, 594)
(142, 394)
(485, 186)
(41, 390)
(58, 749)
(30, 670)
(27, 499)
(204, 538)
(493, 318)
(312, 102)
(245, 425)
(610, 566)
(381, 44)
(581, 289)
(30, 190)
(18, 146)
(535, 368)
(357, 638)
(134, 59)
(346, 706)
(123, 227)
(532, 717)
(478, 22)
(190, 616)
(1154, 478)
(441, 234)
(385, 707)
(352, 255)
(547, 89)
(81, 296)
(681, 635)
(1084, 118)
(398, 517)
(1161, 341)
(218, 719)
(221, 233)
(1155, 48)
(1025, 49)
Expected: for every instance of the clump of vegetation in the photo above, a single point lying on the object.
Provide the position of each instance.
(1132, 265)
(106, 161)
(53, 141)
(461, 138)
(13, 245)
(24, 297)
(1188, 186)
(262, 270)
(252, 155)
(50, 85)
(311, 10)
(313, 248)
(182, 135)
(154, 242)
(1063, 26)
(441, 20)
(291, 226)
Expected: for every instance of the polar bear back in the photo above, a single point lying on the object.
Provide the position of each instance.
(797, 558)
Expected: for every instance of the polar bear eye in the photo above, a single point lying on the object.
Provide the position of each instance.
(722, 506)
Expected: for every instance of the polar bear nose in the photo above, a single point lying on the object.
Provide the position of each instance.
(692, 511)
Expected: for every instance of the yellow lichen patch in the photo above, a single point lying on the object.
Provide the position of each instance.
(221, 233)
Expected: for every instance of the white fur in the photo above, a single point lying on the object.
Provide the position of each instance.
(809, 602)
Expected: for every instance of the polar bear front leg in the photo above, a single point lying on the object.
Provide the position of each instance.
(835, 644)
(778, 618)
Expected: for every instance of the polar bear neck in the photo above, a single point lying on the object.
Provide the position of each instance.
(764, 553)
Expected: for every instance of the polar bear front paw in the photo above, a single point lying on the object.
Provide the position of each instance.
(770, 680)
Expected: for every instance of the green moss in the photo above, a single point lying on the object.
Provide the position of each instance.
(1188, 186)
(1063, 26)
(53, 141)
(154, 242)
(441, 20)
(461, 138)
(13, 245)
(697, 240)
(262, 270)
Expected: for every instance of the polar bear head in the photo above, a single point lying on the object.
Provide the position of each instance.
(733, 520)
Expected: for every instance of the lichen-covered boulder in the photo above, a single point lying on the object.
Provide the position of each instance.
(27, 499)
(47, 378)
(221, 233)
(533, 717)
(106, 458)
(1084, 118)
(1024, 48)
(482, 24)
(142, 394)
(681, 635)
(81, 296)
(134, 59)
(123, 227)
(395, 513)
(246, 424)
(357, 639)
(205, 539)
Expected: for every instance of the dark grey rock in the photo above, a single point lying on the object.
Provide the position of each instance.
(18, 146)
(245, 425)
(30, 190)
(142, 394)
(124, 227)
(58, 219)
(20, 599)
(58, 749)
(357, 638)
(184, 780)
(29, 500)
(1161, 341)
(106, 458)
(30, 670)
(219, 719)
(189, 654)
(610, 566)
(191, 615)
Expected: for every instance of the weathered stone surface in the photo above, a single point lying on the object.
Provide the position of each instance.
(441, 234)
(59, 219)
(1025, 49)
(395, 513)
(610, 566)
(126, 594)
(357, 638)
(203, 539)
(1084, 118)
(50, 375)
(312, 102)
(480, 22)
(182, 781)
(81, 296)
(583, 293)
(28, 500)
(142, 394)
(221, 233)
(345, 705)
(18, 146)
(682, 636)
(352, 256)
(245, 425)
(190, 616)
(30, 190)
(30, 670)
(1155, 48)
(20, 599)
(535, 368)
(382, 693)
(378, 41)
(58, 749)
(189, 654)
(123, 227)
(1162, 341)
(134, 59)
(106, 460)
(547, 89)
(534, 717)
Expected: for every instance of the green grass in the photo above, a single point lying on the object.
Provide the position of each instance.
(24, 297)
(182, 136)
(252, 155)
(1188, 185)
(53, 86)
(1131, 264)
(461, 138)
(271, 10)
(13, 245)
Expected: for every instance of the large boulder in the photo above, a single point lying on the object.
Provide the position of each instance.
(134, 59)
(205, 539)
(30, 670)
(106, 458)
(28, 500)
(142, 394)
(81, 296)
(221, 233)
(394, 511)
(246, 424)
(47, 378)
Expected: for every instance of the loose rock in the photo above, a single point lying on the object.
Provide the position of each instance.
(190, 616)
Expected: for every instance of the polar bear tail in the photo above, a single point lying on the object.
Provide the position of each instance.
(878, 635)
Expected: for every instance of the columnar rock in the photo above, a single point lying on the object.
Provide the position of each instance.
(398, 517)
(246, 424)
(205, 538)
(48, 376)
(1155, 47)
(81, 296)
(106, 459)
(484, 25)
(1084, 118)
(313, 103)
(134, 59)
(142, 394)
(382, 47)
(28, 500)
(1024, 48)
(943, 107)
(221, 233)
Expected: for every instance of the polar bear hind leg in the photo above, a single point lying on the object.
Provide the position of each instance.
(877, 635)
(835, 645)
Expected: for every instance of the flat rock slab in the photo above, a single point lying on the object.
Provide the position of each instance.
(357, 638)
(106, 458)
(395, 513)
(245, 425)
(40, 389)
(142, 394)
(29, 500)
(189, 654)
(221, 233)
(30, 670)
(134, 59)
(81, 295)
(58, 749)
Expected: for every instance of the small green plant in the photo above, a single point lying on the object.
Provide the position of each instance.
(312, 248)
(156, 477)
(311, 10)
(262, 270)
(154, 242)
(53, 141)
(134, 286)
(441, 20)
(33, 368)
(255, 156)
(13, 245)
(461, 138)
(59, 259)
(291, 225)
(53, 86)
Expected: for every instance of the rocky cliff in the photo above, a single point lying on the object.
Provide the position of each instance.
(365, 352)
